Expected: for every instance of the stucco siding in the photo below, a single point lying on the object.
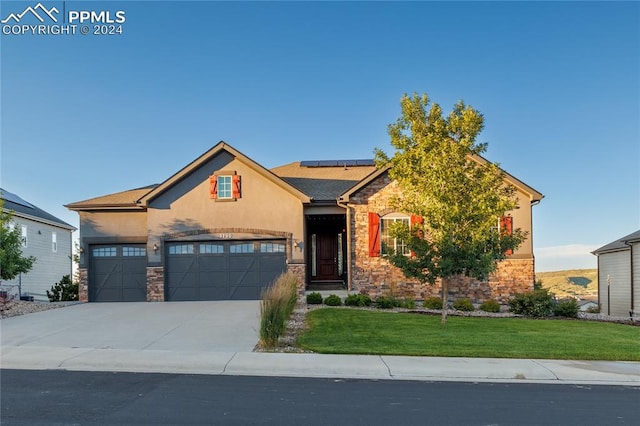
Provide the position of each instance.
(522, 218)
(615, 268)
(95, 225)
(188, 207)
(50, 265)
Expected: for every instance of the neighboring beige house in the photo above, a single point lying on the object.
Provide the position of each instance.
(619, 276)
(224, 227)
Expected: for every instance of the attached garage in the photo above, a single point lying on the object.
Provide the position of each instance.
(222, 270)
(118, 273)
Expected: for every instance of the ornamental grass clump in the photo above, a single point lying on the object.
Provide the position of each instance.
(276, 306)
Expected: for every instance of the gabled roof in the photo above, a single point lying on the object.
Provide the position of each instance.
(139, 198)
(119, 200)
(24, 209)
(324, 180)
(618, 245)
(534, 195)
(217, 149)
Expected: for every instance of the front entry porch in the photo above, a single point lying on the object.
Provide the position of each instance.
(326, 252)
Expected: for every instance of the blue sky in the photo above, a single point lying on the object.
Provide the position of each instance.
(558, 84)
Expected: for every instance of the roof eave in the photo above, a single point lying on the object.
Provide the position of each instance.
(89, 207)
(62, 225)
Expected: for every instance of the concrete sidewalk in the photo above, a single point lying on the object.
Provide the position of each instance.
(218, 338)
(324, 366)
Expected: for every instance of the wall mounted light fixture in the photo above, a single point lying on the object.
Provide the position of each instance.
(155, 247)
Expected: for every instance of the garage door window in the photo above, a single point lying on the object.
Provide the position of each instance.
(181, 249)
(271, 248)
(241, 248)
(104, 252)
(134, 251)
(211, 248)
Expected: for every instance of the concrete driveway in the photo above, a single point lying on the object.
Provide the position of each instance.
(224, 326)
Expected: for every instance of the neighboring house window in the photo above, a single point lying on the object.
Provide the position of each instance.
(54, 242)
(388, 243)
(225, 186)
(24, 235)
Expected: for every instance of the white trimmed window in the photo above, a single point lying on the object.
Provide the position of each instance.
(24, 235)
(54, 242)
(389, 243)
(224, 188)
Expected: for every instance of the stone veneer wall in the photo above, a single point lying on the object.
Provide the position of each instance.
(300, 271)
(155, 284)
(376, 276)
(83, 288)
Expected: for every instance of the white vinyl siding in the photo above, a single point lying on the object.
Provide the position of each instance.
(636, 279)
(616, 268)
(50, 266)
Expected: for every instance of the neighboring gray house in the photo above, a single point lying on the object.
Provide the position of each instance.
(619, 276)
(47, 238)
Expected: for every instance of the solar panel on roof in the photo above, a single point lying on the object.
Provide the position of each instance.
(13, 198)
(337, 163)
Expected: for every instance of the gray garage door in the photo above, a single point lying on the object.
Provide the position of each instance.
(118, 273)
(222, 270)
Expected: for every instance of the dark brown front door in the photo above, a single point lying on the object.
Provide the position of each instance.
(327, 255)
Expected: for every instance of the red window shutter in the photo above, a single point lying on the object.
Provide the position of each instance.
(213, 186)
(416, 220)
(374, 235)
(506, 227)
(236, 186)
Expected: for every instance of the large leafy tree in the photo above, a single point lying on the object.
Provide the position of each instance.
(460, 196)
(12, 262)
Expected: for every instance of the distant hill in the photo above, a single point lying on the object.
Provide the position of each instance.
(578, 283)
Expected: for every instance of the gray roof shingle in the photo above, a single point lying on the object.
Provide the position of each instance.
(19, 206)
(618, 244)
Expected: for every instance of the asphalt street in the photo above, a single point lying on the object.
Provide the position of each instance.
(56, 397)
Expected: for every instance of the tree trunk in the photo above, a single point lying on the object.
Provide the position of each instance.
(445, 294)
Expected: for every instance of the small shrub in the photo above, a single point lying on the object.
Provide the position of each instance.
(433, 303)
(593, 310)
(407, 303)
(333, 300)
(463, 305)
(276, 306)
(567, 308)
(314, 298)
(490, 306)
(63, 291)
(538, 303)
(385, 302)
(357, 300)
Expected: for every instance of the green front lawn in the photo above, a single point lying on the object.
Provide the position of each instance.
(352, 331)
